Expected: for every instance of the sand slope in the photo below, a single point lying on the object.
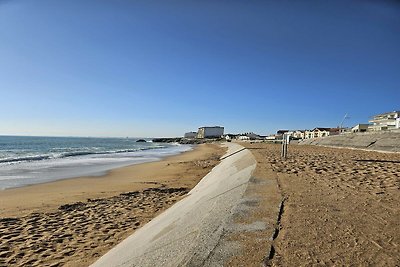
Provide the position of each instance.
(379, 141)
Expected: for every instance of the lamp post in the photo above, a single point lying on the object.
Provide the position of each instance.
(341, 123)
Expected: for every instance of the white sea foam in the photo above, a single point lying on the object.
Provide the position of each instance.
(22, 173)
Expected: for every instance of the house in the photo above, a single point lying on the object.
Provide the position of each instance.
(230, 136)
(210, 132)
(190, 135)
(299, 134)
(321, 132)
(271, 137)
(253, 136)
(248, 136)
(359, 128)
(243, 137)
(308, 134)
(281, 132)
(345, 130)
(385, 121)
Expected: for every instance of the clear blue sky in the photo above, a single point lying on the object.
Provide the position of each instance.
(161, 68)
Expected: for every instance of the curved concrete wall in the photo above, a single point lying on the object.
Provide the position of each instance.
(187, 233)
(380, 141)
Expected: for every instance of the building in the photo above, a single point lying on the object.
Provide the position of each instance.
(249, 136)
(299, 134)
(229, 137)
(293, 134)
(308, 134)
(243, 137)
(253, 136)
(385, 121)
(345, 130)
(210, 132)
(271, 137)
(190, 135)
(321, 132)
(359, 128)
(281, 132)
(328, 132)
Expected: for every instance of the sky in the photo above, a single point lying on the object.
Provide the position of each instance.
(162, 68)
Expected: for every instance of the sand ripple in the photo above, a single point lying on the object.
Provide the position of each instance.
(342, 206)
(80, 231)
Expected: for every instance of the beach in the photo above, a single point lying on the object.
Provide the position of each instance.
(338, 207)
(320, 206)
(72, 222)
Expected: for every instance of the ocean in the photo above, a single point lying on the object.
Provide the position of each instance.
(27, 160)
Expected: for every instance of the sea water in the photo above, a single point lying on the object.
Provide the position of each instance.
(26, 160)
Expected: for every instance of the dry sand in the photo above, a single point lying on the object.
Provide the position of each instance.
(73, 222)
(341, 208)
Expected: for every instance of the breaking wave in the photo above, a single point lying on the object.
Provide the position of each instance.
(74, 154)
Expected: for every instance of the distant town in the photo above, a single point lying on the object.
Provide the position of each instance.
(380, 122)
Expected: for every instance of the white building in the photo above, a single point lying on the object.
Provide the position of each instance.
(210, 132)
(359, 128)
(270, 137)
(251, 136)
(385, 121)
(299, 134)
(321, 132)
(243, 137)
(308, 134)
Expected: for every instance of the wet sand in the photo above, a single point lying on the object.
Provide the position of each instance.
(341, 206)
(73, 222)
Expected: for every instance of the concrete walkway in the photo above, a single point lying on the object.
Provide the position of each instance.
(187, 233)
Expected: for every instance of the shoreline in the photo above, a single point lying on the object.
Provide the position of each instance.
(19, 201)
(74, 222)
(45, 169)
(102, 173)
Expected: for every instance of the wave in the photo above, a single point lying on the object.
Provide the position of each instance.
(75, 154)
(27, 158)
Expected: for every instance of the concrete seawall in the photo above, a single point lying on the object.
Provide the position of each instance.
(379, 141)
(188, 233)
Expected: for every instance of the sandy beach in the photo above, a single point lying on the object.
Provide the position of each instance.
(73, 222)
(341, 207)
(323, 206)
